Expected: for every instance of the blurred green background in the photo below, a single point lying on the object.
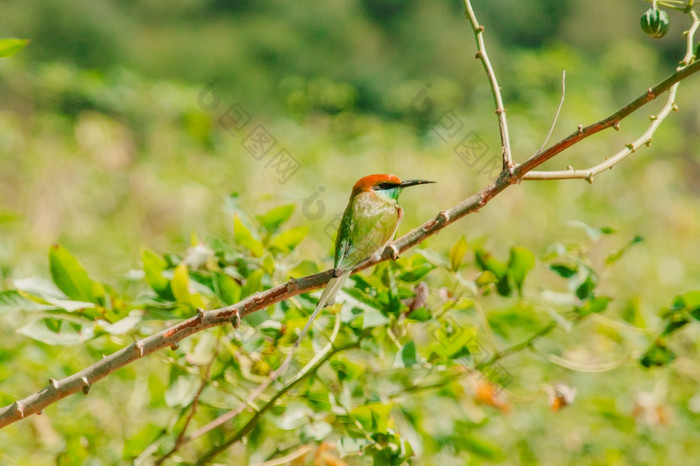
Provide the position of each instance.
(114, 135)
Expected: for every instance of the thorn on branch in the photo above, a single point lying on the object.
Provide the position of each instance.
(616, 125)
(630, 146)
(174, 346)
(648, 143)
(477, 55)
(394, 251)
(653, 117)
(20, 409)
(500, 110)
(650, 94)
(53, 384)
(480, 29)
(86, 385)
(580, 129)
(138, 344)
(292, 285)
(200, 314)
(589, 178)
(674, 107)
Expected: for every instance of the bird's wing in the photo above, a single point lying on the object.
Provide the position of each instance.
(366, 231)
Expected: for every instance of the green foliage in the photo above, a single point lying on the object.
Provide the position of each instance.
(9, 47)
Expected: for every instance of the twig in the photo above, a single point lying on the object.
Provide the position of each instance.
(556, 115)
(481, 54)
(644, 139)
(327, 353)
(58, 389)
(193, 407)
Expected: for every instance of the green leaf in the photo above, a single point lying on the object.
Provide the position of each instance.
(657, 355)
(153, 268)
(181, 391)
(595, 305)
(9, 47)
(12, 301)
(243, 236)
(181, 284)
(274, 218)
(486, 261)
(407, 356)
(374, 417)
(226, 288)
(614, 257)
(289, 239)
(351, 446)
(563, 270)
(57, 331)
(373, 318)
(521, 261)
(415, 272)
(585, 289)
(71, 277)
(457, 252)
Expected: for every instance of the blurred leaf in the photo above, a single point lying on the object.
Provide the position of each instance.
(181, 391)
(12, 301)
(486, 261)
(564, 270)
(406, 356)
(585, 289)
(520, 263)
(203, 351)
(226, 288)
(373, 318)
(253, 283)
(415, 272)
(374, 417)
(657, 355)
(180, 284)
(289, 239)
(120, 327)
(9, 47)
(243, 236)
(457, 252)
(612, 258)
(275, 217)
(351, 446)
(486, 278)
(71, 277)
(595, 305)
(153, 267)
(58, 331)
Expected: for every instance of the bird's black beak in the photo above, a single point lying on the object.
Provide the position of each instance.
(407, 183)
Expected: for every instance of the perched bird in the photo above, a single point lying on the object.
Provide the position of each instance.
(367, 227)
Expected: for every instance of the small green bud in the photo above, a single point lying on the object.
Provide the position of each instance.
(655, 22)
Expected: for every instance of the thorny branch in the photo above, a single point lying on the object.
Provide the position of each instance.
(481, 54)
(83, 380)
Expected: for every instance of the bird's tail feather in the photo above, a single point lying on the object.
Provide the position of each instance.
(334, 285)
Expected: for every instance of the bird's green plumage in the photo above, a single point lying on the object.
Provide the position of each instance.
(369, 222)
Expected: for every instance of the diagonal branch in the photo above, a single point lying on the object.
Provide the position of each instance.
(481, 54)
(644, 139)
(81, 381)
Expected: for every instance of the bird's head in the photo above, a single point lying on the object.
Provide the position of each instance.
(387, 186)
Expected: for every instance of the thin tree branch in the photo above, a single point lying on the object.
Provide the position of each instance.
(644, 139)
(82, 381)
(321, 358)
(556, 115)
(481, 54)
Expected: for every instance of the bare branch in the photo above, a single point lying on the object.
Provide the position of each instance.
(481, 54)
(644, 139)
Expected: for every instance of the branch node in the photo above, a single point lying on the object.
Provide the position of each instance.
(86, 385)
(292, 285)
(236, 319)
(500, 110)
(616, 125)
(630, 147)
(20, 409)
(653, 117)
(648, 142)
(480, 29)
(200, 314)
(477, 55)
(650, 94)
(53, 383)
(444, 215)
(580, 129)
(174, 346)
(589, 178)
(674, 107)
